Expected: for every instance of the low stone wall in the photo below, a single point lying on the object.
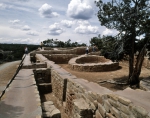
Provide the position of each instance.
(59, 85)
(42, 75)
(60, 58)
(35, 65)
(84, 99)
(76, 51)
(92, 64)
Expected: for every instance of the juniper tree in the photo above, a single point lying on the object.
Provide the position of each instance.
(132, 19)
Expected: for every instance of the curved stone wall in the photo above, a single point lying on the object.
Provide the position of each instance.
(77, 51)
(91, 63)
(60, 58)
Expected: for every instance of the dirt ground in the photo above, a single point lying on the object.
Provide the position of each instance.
(99, 77)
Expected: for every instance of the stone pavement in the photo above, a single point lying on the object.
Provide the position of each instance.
(21, 99)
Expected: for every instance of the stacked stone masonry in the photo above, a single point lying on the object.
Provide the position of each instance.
(60, 58)
(50, 111)
(92, 63)
(85, 99)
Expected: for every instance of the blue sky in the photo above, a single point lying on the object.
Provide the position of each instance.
(33, 21)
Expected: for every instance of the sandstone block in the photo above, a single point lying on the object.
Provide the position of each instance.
(110, 115)
(113, 96)
(115, 112)
(125, 109)
(95, 104)
(123, 115)
(107, 105)
(46, 114)
(102, 110)
(124, 101)
(45, 108)
(114, 103)
(98, 115)
(55, 114)
(138, 111)
(47, 103)
(99, 99)
(82, 108)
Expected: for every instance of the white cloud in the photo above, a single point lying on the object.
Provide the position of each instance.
(110, 32)
(78, 41)
(46, 11)
(4, 6)
(55, 29)
(67, 23)
(14, 21)
(79, 9)
(15, 24)
(83, 22)
(12, 24)
(107, 32)
(90, 2)
(19, 40)
(83, 29)
(6, 31)
(21, 0)
(32, 33)
(26, 27)
(23, 40)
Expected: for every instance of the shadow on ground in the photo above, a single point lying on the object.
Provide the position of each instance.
(9, 111)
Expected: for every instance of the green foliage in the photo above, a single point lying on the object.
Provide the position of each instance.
(58, 43)
(97, 41)
(130, 17)
(109, 46)
(17, 51)
(105, 43)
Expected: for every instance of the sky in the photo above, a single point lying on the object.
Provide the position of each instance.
(33, 21)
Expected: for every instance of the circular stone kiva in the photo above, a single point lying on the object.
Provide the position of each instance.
(92, 63)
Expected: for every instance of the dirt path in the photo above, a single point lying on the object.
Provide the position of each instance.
(7, 71)
(121, 73)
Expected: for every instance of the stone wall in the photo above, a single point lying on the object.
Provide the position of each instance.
(60, 58)
(89, 100)
(84, 99)
(77, 51)
(98, 64)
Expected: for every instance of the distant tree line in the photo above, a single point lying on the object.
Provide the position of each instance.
(12, 52)
(58, 43)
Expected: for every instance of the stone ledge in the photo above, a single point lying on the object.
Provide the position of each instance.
(50, 111)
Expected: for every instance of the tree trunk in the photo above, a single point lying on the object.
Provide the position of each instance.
(131, 58)
(134, 78)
